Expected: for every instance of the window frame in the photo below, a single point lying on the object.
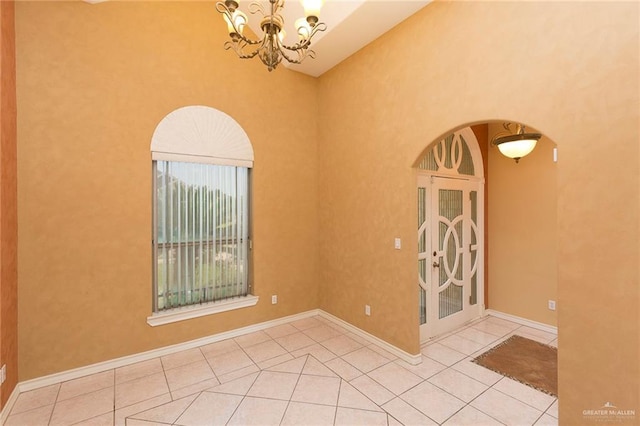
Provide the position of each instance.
(199, 134)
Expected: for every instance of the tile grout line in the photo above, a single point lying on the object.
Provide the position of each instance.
(243, 396)
(186, 408)
(471, 377)
(209, 365)
(524, 402)
(113, 415)
(478, 396)
(55, 402)
(335, 412)
(294, 390)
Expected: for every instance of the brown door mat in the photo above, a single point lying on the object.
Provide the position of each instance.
(525, 360)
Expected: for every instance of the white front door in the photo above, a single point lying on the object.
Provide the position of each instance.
(449, 253)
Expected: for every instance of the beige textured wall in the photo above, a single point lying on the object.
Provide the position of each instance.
(482, 135)
(569, 69)
(93, 83)
(523, 224)
(8, 205)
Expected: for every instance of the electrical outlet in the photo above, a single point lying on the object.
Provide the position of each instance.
(3, 373)
(367, 310)
(274, 299)
(397, 243)
(552, 305)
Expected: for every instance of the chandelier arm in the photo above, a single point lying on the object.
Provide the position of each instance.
(255, 7)
(223, 9)
(263, 47)
(307, 42)
(310, 53)
(296, 47)
(238, 48)
(284, 50)
(302, 54)
(239, 37)
(283, 53)
(248, 40)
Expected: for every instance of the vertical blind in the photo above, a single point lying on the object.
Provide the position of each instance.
(473, 247)
(201, 233)
(422, 248)
(451, 264)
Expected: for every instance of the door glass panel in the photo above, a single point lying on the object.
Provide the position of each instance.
(422, 272)
(466, 165)
(450, 203)
(474, 247)
(423, 306)
(450, 301)
(474, 283)
(422, 246)
(422, 235)
(450, 252)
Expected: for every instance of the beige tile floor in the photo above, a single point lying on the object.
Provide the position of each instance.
(307, 372)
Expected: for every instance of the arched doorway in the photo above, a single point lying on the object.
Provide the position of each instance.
(450, 189)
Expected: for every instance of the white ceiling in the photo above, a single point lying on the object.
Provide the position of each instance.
(351, 25)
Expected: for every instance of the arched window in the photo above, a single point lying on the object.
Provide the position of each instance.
(201, 168)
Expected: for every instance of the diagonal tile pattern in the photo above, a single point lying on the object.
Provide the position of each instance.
(307, 372)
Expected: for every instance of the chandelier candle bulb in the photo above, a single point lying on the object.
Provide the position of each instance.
(312, 8)
(236, 23)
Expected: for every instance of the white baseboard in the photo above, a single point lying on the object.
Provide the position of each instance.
(167, 350)
(523, 321)
(155, 353)
(405, 356)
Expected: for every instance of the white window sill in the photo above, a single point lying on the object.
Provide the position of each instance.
(196, 311)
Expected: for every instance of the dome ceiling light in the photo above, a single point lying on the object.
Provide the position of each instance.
(515, 145)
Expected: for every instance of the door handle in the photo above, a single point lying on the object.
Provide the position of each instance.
(436, 265)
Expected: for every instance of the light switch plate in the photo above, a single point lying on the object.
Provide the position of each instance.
(397, 244)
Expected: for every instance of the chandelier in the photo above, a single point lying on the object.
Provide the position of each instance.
(271, 48)
(515, 145)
